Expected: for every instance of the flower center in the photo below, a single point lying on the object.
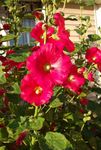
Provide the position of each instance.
(47, 67)
(38, 90)
(71, 78)
(94, 58)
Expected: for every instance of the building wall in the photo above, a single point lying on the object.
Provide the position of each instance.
(72, 9)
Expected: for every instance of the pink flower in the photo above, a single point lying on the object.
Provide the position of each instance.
(2, 91)
(84, 101)
(49, 64)
(64, 38)
(59, 20)
(21, 137)
(38, 15)
(35, 92)
(93, 55)
(81, 70)
(11, 51)
(19, 65)
(37, 32)
(6, 26)
(74, 80)
(34, 48)
(90, 76)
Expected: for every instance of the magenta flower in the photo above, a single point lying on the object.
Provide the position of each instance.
(64, 38)
(21, 137)
(49, 64)
(74, 80)
(84, 101)
(93, 55)
(59, 20)
(35, 92)
(37, 32)
(90, 76)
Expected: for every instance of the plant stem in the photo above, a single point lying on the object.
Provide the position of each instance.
(36, 111)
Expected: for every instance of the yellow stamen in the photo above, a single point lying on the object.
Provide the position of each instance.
(38, 90)
(47, 67)
(71, 78)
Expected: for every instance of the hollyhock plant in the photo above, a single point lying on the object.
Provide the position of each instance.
(2, 91)
(38, 15)
(93, 55)
(64, 38)
(38, 31)
(35, 92)
(74, 80)
(21, 137)
(6, 26)
(59, 20)
(84, 101)
(49, 64)
(10, 51)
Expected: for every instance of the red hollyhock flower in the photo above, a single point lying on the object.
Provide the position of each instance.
(59, 20)
(34, 48)
(81, 70)
(6, 26)
(37, 32)
(2, 91)
(11, 51)
(64, 38)
(82, 111)
(90, 76)
(38, 15)
(84, 101)
(49, 64)
(93, 55)
(2, 58)
(35, 92)
(74, 80)
(21, 137)
(99, 66)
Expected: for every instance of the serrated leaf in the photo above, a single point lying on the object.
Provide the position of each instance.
(55, 103)
(57, 141)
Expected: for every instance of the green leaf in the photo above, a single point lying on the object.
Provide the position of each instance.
(2, 76)
(36, 123)
(42, 143)
(55, 103)
(57, 141)
(7, 38)
(94, 37)
(19, 57)
(16, 88)
(3, 134)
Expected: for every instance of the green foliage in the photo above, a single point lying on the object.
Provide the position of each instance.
(57, 141)
(2, 75)
(64, 123)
